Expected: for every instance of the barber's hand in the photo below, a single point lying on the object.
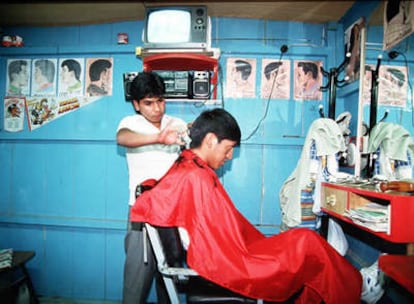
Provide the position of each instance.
(170, 136)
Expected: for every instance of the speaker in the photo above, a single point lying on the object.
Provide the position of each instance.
(201, 84)
(128, 77)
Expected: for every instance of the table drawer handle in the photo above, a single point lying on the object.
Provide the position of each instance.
(331, 200)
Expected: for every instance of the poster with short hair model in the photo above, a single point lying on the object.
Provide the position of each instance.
(17, 77)
(308, 80)
(393, 89)
(44, 73)
(71, 77)
(275, 79)
(99, 77)
(240, 77)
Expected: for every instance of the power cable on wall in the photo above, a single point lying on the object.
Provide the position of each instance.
(283, 50)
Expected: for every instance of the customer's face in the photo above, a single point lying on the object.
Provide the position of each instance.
(219, 152)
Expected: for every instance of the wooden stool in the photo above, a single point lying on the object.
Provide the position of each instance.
(12, 278)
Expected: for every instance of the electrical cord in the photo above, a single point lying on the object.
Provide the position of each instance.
(283, 50)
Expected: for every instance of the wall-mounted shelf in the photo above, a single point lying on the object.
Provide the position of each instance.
(207, 102)
(178, 61)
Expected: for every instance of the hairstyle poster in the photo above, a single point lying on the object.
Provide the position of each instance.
(308, 80)
(398, 22)
(392, 90)
(353, 46)
(99, 77)
(71, 77)
(44, 80)
(14, 114)
(240, 78)
(17, 77)
(275, 79)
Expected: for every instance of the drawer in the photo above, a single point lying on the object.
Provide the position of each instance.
(334, 199)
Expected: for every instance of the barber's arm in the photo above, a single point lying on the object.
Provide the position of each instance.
(168, 136)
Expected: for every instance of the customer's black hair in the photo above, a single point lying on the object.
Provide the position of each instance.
(147, 84)
(217, 121)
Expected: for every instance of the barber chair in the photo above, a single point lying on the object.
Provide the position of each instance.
(183, 284)
(179, 279)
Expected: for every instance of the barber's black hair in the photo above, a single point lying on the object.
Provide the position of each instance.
(147, 84)
(217, 121)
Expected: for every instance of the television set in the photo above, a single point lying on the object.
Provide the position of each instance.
(176, 27)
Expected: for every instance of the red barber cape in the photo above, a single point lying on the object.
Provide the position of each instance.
(228, 250)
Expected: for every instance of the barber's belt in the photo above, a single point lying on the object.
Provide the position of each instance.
(137, 226)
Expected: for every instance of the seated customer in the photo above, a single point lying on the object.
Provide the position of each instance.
(224, 247)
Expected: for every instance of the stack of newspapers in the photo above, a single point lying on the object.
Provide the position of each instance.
(373, 216)
(6, 258)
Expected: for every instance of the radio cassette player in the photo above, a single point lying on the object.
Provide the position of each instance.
(176, 83)
(186, 84)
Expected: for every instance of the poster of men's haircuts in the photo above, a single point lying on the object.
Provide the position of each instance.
(240, 77)
(398, 22)
(54, 87)
(392, 85)
(13, 114)
(392, 89)
(99, 76)
(17, 77)
(353, 46)
(308, 80)
(71, 76)
(44, 71)
(275, 79)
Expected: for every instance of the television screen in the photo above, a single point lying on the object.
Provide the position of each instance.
(176, 27)
(169, 26)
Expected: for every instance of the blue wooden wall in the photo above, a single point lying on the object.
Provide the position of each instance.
(63, 190)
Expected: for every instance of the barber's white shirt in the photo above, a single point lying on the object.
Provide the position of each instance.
(149, 161)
